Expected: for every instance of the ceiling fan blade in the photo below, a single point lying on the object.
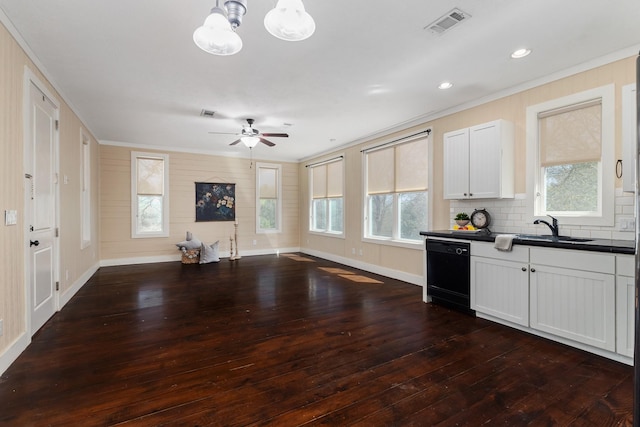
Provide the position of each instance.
(235, 142)
(276, 135)
(224, 133)
(267, 142)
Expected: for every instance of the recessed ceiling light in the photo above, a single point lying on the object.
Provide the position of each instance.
(445, 85)
(520, 53)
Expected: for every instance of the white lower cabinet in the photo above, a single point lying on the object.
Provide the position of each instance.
(625, 304)
(573, 295)
(565, 293)
(500, 282)
(574, 304)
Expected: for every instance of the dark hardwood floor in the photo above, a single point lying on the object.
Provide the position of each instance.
(293, 340)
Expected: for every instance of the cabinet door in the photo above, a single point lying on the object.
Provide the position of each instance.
(500, 289)
(573, 304)
(456, 164)
(485, 161)
(629, 138)
(625, 314)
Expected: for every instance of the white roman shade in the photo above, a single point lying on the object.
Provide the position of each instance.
(150, 179)
(327, 180)
(319, 177)
(400, 168)
(268, 183)
(571, 135)
(380, 172)
(412, 166)
(334, 179)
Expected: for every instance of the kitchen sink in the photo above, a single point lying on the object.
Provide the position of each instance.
(550, 238)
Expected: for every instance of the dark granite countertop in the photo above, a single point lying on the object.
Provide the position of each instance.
(595, 245)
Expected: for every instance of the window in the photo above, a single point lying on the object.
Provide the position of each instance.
(85, 190)
(149, 195)
(327, 201)
(571, 145)
(397, 193)
(268, 199)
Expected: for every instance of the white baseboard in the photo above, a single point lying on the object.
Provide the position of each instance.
(414, 279)
(77, 285)
(173, 258)
(13, 351)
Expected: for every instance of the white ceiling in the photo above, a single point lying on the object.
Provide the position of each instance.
(132, 73)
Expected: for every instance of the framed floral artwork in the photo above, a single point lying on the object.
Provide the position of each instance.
(215, 202)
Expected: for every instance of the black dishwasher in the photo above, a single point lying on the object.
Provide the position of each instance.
(449, 273)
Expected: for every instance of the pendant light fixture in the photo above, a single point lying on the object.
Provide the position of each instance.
(289, 21)
(216, 35)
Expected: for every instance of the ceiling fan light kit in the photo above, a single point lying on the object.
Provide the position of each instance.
(287, 21)
(250, 141)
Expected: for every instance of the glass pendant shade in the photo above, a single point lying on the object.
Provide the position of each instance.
(250, 141)
(216, 35)
(289, 21)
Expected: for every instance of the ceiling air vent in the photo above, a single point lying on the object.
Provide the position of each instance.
(207, 113)
(448, 21)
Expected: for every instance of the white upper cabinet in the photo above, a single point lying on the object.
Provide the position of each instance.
(479, 162)
(629, 138)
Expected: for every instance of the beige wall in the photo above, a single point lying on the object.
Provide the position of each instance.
(184, 171)
(512, 108)
(74, 262)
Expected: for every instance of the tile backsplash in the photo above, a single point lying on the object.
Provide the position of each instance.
(510, 216)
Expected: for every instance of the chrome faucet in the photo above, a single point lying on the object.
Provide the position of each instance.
(555, 231)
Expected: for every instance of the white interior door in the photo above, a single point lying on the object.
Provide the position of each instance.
(40, 207)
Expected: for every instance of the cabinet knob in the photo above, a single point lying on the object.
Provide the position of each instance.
(465, 194)
(533, 270)
(524, 268)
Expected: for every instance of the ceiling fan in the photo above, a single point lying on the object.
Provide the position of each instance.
(250, 136)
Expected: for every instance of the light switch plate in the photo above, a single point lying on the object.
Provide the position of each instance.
(10, 217)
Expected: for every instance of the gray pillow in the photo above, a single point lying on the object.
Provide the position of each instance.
(209, 253)
(194, 243)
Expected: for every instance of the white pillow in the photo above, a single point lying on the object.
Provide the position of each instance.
(209, 253)
(194, 243)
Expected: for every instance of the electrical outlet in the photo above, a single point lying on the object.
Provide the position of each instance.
(353, 251)
(255, 242)
(627, 224)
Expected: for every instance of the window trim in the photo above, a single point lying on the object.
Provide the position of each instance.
(606, 179)
(85, 190)
(398, 242)
(278, 168)
(310, 229)
(135, 234)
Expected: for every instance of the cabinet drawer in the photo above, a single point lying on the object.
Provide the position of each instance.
(575, 260)
(518, 253)
(625, 265)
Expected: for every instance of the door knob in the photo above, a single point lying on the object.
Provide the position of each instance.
(32, 243)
